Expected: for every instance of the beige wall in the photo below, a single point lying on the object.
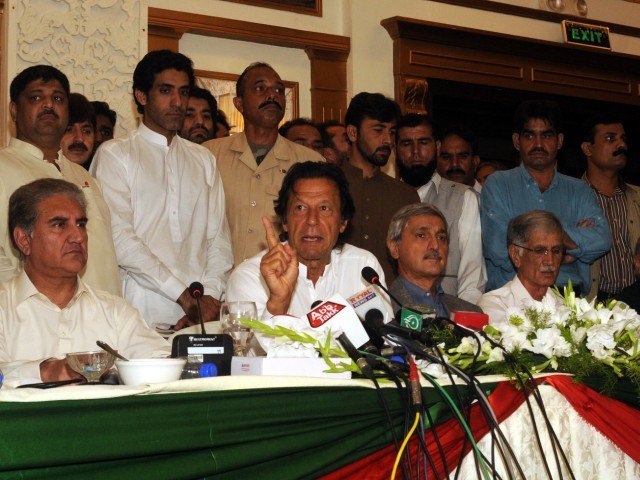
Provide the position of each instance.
(371, 60)
(231, 56)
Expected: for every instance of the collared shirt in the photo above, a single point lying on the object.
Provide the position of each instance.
(168, 215)
(376, 200)
(422, 297)
(512, 294)
(33, 329)
(472, 275)
(251, 189)
(341, 276)
(616, 269)
(22, 163)
(509, 193)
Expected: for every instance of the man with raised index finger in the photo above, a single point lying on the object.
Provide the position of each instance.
(313, 262)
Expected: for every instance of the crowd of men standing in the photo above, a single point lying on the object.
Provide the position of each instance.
(179, 200)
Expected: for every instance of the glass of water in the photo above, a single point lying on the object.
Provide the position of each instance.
(230, 314)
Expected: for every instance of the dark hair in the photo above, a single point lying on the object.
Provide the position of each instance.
(222, 118)
(23, 203)
(37, 72)
(296, 122)
(204, 94)
(588, 132)
(102, 108)
(371, 105)
(81, 110)
(155, 62)
(465, 134)
(546, 110)
(240, 81)
(323, 128)
(307, 170)
(412, 120)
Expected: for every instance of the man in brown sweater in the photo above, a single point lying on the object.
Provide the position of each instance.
(371, 127)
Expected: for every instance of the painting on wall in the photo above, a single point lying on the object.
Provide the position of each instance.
(307, 7)
(223, 87)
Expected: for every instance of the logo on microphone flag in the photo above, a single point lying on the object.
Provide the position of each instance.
(411, 319)
(323, 313)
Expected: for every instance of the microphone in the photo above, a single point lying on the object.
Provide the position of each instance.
(371, 276)
(196, 290)
(351, 350)
(374, 319)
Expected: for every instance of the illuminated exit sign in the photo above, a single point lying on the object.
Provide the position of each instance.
(586, 35)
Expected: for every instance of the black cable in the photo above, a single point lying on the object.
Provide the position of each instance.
(421, 350)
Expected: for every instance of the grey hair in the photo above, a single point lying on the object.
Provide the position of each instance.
(520, 227)
(23, 203)
(401, 218)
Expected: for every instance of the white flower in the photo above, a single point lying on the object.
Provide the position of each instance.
(496, 355)
(577, 333)
(467, 345)
(600, 341)
(585, 310)
(549, 342)
(512, 337)
(434, 370)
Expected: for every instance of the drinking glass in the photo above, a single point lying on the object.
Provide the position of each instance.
(241, 334)
(91, 365)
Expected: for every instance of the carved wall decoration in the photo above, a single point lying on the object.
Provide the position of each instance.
(223, 87)
(96, 43)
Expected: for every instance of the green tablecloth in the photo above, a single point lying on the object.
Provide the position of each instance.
(235, 434)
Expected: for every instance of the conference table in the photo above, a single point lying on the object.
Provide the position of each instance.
(250, 427)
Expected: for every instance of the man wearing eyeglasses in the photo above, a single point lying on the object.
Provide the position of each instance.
(536, 249)
(537, 185)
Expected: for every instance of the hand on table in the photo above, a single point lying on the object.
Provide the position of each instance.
(56, 370)
(279, 268)
(209, 306)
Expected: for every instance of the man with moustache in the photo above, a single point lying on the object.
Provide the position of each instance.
(416, 151)
(200, 122)
(536, 247)
(166, 200)
(254, 162)
(418, 240)
(77, 141)
(535, 185)
(605, 148)
(371, 127)
(40, 109)
(458, 157)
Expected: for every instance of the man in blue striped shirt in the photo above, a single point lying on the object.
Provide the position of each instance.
(536, 185)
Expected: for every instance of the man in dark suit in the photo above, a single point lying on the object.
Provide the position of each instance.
(418, 240)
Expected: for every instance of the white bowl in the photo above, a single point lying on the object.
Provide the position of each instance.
(143, 371)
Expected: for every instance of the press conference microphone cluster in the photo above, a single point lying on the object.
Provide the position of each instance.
(196, 290)
(371, 276)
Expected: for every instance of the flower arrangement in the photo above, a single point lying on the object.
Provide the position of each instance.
(565, 334)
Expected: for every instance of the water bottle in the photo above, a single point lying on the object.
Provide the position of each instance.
(199, 370)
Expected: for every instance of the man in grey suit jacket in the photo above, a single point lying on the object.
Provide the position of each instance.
(418, 240)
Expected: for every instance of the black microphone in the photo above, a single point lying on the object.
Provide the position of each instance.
(196, 290)
(371, 276)
(351, 350)
(375, 320)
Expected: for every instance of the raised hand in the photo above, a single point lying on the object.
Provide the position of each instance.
(279, 268)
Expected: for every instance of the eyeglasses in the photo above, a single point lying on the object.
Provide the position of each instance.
(544, 251)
